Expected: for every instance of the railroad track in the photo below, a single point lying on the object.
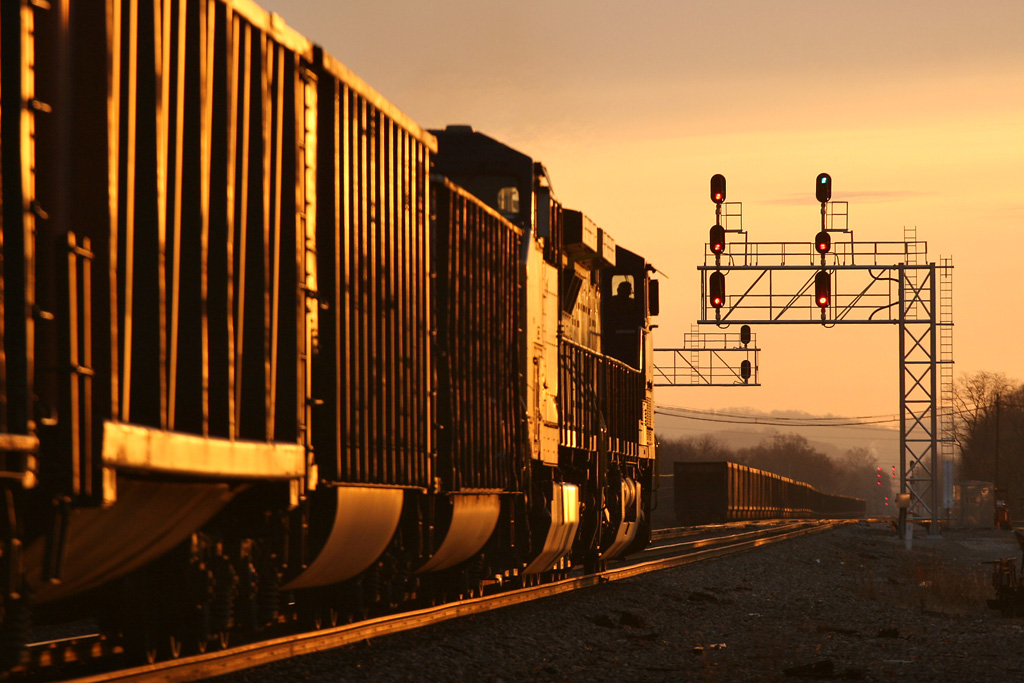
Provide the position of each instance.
(662, 555)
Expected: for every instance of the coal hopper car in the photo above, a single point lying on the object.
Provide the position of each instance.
(272, 352)
(718, 492)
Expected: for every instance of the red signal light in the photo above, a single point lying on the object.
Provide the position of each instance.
(823, 291)
(716, 285)
(716, 239)
(718, 188)
(823, 242)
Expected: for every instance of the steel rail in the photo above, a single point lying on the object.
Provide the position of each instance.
(682, 531)
(251, 655)
(690, 546)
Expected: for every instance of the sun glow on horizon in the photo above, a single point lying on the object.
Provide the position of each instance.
(916, 117)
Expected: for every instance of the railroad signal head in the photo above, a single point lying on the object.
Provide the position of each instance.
(745, 335)
(823, 187)
(822, 289)
(823, 242)
(745, 370)
(716, 239)
(718, 188)
(716, 285)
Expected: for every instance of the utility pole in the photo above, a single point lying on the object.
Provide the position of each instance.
(996, 483)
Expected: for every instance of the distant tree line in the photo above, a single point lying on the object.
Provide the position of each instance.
(790, 455)
(989, 432)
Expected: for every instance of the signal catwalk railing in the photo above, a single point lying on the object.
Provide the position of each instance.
(784, 294)
(741, 253)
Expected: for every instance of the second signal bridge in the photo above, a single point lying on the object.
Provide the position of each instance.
(709, 359)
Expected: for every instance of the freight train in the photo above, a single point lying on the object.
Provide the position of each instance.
(272, 351)
(718, 492)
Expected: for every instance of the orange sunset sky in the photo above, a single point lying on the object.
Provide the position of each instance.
(915, 108)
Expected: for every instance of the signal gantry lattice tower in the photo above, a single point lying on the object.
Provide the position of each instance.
(839, 281)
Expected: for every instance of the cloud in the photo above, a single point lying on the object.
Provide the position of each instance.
(865, 197)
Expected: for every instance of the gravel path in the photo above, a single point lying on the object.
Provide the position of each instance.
(850, 604)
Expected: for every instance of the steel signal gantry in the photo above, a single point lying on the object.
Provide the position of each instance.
(861, 283)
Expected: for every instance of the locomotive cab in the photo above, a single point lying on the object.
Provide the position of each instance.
(625, 295)
(498, 175)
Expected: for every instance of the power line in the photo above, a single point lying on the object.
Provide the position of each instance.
(719, 414)
(673, 432)
(726, 418)
(856, 421)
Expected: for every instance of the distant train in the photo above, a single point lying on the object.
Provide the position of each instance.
(717, 492)
(269, 350)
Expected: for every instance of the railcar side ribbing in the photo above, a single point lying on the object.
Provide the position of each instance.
(271, 350)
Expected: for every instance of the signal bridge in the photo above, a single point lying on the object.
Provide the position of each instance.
(707, 359)
(840, 281)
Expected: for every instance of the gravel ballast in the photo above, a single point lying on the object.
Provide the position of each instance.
(848, 604)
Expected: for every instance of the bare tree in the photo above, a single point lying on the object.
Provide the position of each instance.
(989, 431)
(973, 401)
(703, 448)
(791, 455)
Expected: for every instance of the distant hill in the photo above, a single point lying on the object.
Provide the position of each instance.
(882, 441)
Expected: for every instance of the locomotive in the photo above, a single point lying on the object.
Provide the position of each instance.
(270, 350)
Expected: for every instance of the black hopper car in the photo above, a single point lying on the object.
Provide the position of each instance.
(270, 351)
(719, 492)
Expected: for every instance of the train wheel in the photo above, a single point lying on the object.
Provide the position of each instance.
(148, 653)
(592, 563)
(170, 647)
(143, 644)
(315, 615)
(15, 625)
(198, 630)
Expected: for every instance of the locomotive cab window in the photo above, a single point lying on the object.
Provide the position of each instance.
(508, 200)
(624, 288)
(624, 319)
